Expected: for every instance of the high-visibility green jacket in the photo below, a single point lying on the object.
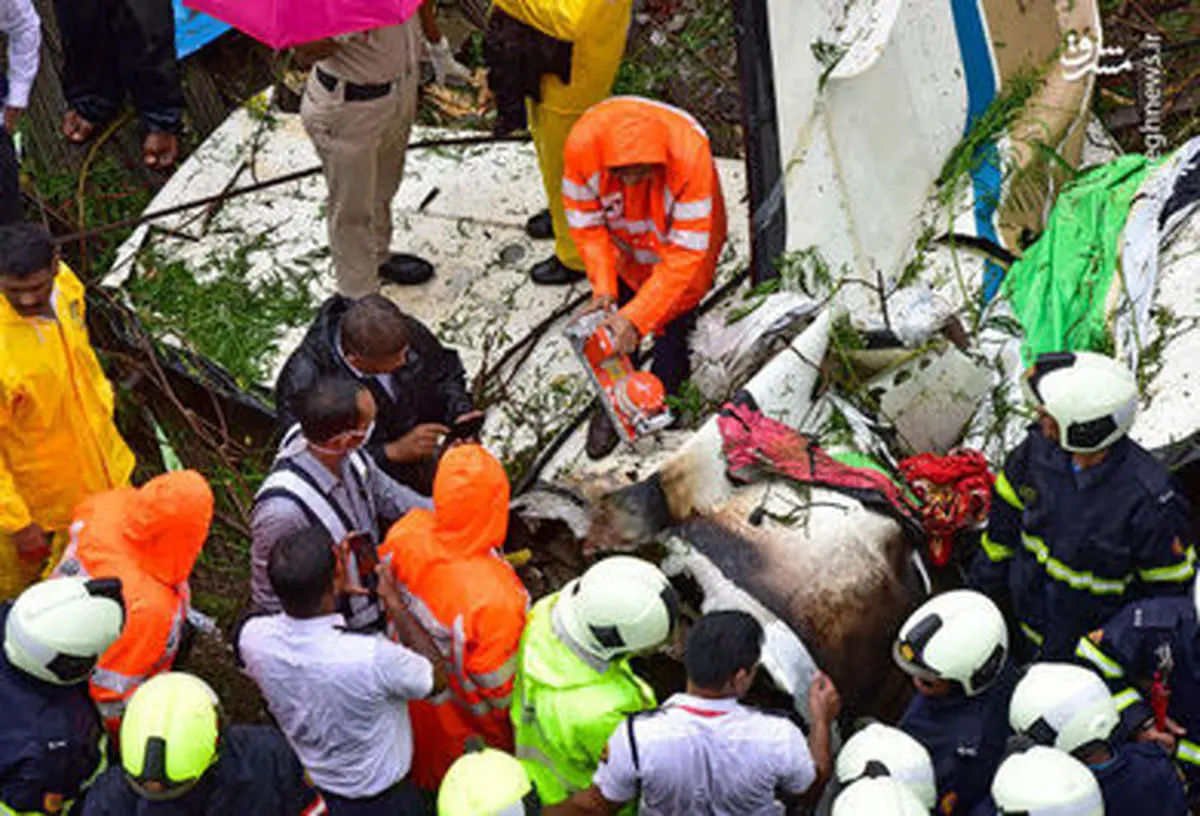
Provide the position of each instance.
(566, 706)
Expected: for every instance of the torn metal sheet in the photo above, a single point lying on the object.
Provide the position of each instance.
(931, 398)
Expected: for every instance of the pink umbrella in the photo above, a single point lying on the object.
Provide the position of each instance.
(284, 23)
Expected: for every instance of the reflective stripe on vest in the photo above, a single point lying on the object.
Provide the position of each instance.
(1076, 579)
(118, 683)
(451, 643)
(1088, 651)
(292, 484)
(1188, 752)
(582, 192)
(644, 257)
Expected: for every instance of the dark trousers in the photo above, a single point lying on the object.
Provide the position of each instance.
(11, 210)
(670, 360)
(111, 47)
(401, 799)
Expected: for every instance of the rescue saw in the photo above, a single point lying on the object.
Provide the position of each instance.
(634, 400)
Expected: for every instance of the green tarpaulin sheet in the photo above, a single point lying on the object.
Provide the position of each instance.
(1059, 287)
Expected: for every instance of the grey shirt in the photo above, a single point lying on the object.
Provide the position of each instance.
(380, 499)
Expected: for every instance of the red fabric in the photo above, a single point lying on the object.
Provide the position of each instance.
(751, 440)
(956, 492)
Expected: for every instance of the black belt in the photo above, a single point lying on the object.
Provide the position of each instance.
(354, 92)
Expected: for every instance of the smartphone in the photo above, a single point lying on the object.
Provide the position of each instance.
(366, 558)
(468, 430)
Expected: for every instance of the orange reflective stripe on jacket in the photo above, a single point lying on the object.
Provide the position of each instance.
(469, 600)
(663, 235)
(148, 537)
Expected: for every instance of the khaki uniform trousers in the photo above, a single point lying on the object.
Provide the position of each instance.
(594, 63)
(361, 145)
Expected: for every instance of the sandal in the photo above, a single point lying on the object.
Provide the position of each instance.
(76, 129)
(160, 149)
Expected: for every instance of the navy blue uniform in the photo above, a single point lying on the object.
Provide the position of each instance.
(256, 772)
(1140, 780)
(1154, 635)
(966, 738)
(50, 738)
(1069, 548)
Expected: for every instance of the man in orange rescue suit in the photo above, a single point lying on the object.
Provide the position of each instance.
(645, 209)
(58, 442)
(469, 600)
(149, 537)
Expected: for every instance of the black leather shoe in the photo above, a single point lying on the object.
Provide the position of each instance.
(406, 270)
(601, 435)
(551, 272)
(540, 227)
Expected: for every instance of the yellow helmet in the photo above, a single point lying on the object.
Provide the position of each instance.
(169, 735)
(487, 783)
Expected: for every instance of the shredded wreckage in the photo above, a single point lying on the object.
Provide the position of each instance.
(891, 181)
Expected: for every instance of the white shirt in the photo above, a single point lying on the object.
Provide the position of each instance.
(341, 698)
(714, 757)
(20, 23)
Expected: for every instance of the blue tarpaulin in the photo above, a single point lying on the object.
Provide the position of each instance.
(194, 30)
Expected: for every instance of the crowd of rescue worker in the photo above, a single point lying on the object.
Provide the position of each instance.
(403, 665)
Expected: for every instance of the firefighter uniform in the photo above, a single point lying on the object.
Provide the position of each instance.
(566, 705)
(434, 556)
(1140, 778)
(1070, 547)
(150, 538)
(965, 737)
(255, 773)
(58, 442)
(1157, 636)
(51, 743)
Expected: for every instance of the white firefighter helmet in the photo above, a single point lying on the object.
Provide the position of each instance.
(959, 635)
(878, 796)
(57, 629)
(881, 750)
(1046, 782)
(1063, 706)
(620, 605)
(1093, 398)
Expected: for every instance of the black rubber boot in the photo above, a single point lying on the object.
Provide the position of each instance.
(601, 435)
(406, 270)
(551, 272)
(540, 227)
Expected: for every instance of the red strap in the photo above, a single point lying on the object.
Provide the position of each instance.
(700, 712)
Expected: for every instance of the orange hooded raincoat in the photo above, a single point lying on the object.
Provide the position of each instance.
(149, 537)
(663, 236)
(468, 598)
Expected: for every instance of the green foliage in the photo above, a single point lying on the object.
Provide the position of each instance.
(219, 311)
(828, 55)
(110, 195)
(689, 406)
(968, 154)
(920, 259)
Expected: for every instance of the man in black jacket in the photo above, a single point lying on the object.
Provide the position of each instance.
(418, 384)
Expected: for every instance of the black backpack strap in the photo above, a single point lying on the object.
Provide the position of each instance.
(633, 754)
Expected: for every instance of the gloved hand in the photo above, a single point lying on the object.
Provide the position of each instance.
(445, 66)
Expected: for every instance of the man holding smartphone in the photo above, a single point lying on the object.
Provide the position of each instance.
(322, 475)
(418, 385)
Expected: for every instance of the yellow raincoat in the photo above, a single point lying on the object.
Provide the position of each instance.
(58, 443)
(597, 30)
